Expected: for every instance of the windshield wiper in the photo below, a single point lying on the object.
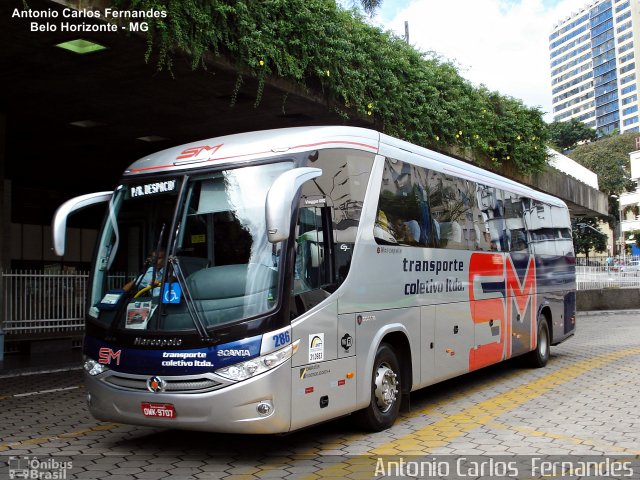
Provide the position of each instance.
(188, 300)
(188, 297)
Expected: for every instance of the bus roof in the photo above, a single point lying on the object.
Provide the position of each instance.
(246, 147)
(243, 147)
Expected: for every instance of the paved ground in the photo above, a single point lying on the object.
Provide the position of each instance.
(585, 402)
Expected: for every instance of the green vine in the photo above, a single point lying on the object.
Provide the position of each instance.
(236, 89)
(409, 94)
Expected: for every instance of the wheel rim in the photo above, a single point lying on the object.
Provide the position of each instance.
(386, 387)
(543, 342)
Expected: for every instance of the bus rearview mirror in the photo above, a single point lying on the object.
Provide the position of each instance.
(59, 224)
(279, 204)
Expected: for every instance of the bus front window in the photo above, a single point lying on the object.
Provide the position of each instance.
(136, 228)
(220, 260)
(231, 269)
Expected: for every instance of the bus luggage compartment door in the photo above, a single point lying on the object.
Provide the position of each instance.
(454, 339)
(322, 391)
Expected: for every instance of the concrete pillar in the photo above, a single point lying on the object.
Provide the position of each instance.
(5, 224)
(5, 200)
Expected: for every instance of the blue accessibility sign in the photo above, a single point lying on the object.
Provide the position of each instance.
(172, 293)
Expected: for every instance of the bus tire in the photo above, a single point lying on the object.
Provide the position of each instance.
(539, 357)
(384, 406)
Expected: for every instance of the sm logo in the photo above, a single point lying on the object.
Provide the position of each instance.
(502, 298)
(105, 355)
(203, 152)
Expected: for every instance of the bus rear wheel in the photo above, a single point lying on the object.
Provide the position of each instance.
(384, 406)
(539, 357)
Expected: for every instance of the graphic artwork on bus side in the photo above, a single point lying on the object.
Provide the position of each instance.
(494, 287)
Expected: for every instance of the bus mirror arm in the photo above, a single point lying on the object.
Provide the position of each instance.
(279, 204)
(59, 224)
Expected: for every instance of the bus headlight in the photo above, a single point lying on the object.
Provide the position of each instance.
(256, 366)
(93, 368)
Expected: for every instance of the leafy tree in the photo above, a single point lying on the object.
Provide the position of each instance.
(609, 158)
(635, 234)
(356, 67)
(587, 236)
(566, 135)
(370, 6)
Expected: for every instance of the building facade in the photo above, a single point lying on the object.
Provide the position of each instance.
(594, 57)
(630, 204)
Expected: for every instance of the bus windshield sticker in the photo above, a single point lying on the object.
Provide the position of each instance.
(316, 347)
(171, 293)
(138, 314)
(111, 300)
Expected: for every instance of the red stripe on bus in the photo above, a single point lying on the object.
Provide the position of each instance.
(146, 169)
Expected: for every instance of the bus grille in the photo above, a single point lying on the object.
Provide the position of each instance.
(187, 385)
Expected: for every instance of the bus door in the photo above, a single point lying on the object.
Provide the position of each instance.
(321, 387)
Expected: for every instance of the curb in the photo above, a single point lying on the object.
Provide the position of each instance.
(590, 313)
(25, 372)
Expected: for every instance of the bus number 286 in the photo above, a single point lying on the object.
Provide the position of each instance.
(281, 339)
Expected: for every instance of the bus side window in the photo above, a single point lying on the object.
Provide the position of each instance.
(312, 266)
(454, 206)
(514, 219)
(404, 212)
(548, 227)
(309, 273)
(329, 217)
(494, 226)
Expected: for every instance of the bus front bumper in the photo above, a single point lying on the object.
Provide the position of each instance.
(258, 405)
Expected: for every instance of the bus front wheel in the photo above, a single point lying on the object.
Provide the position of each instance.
(539, 357)
(384, 406)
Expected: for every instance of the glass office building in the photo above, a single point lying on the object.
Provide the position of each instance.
(594, 77)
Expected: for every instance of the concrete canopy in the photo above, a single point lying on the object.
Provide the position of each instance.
(74, 122)
(117, 99)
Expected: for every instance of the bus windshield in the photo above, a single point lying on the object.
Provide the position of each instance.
(216, 268)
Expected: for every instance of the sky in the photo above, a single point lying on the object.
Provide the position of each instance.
(503, 44)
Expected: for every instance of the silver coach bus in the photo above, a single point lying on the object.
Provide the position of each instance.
(297, 275)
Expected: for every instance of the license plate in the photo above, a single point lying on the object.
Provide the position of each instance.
(158, 410)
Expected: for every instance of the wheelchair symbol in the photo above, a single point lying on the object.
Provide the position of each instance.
(171, 298)
(172, 293)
